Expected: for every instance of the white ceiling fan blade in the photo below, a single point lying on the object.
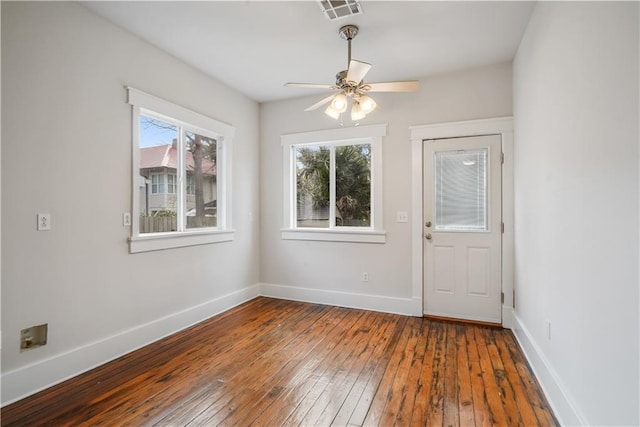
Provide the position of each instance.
(357, 71)
(310, 85)
(406, 86)
(320, 103)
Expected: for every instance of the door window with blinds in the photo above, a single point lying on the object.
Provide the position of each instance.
(461, 190)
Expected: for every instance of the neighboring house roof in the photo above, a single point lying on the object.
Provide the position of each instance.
(166, 156)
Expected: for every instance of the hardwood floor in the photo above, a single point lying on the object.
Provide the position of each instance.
(273, 362)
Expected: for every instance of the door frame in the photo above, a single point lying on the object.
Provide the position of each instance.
(502, 126)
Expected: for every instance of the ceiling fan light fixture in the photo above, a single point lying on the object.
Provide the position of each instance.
(356, 112)
(350, 82)
(340, 102)
(331, 112)
(367, 104)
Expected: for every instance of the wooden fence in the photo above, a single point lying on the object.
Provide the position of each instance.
(160, 224)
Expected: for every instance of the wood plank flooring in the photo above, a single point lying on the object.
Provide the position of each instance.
(273, 362)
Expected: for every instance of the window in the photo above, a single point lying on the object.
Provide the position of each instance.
(181, 170)
(157, 183)
(333, 183)
(171, 183)
(461, 181)
(191, 189)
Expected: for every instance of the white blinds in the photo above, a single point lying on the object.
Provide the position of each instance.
(461, 181)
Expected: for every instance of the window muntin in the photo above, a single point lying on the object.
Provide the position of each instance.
(179, 121)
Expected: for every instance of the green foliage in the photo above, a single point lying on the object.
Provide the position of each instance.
(353, 180)
(313, 175)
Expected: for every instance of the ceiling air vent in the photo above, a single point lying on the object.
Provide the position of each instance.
(336, 9)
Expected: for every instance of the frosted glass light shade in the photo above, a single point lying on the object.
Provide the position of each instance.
(367, 104)
(339, 103)
(331, 112)
(356, 112)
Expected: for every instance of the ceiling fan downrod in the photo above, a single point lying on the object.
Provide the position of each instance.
(348, 32)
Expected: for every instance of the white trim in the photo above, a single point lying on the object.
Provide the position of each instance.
(364, 236)
(466, 128)
(175, 112)
(159, 241)
(185, 120)
(555, 391)
(499, 125)
(355, 132)
(385, 304)
(372, 135)
(37, 376)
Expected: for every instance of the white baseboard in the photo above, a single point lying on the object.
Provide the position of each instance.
(32, 378)
(406, 306)
(557, 394)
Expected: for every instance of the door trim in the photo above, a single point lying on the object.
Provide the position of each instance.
(502, 126)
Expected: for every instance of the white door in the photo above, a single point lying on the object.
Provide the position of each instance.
(463, 228)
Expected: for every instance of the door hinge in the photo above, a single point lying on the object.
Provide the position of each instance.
(502, 298)
(502, 227)
(502, 158)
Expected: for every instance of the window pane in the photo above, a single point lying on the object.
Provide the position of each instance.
(202, 197)
(158, 159)
(171, 183)
(312, 186)
(461, 190)
(191, 185)
(157, 183)
(353, 186)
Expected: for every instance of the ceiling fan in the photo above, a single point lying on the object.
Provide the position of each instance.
(350, 85)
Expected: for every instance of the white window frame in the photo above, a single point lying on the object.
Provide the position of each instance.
(157, 108)
(372, 135)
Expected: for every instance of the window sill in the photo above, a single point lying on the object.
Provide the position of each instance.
(160, 241)
(324, 235)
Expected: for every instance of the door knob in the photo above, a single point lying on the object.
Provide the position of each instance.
(428, 236)
(427, 224)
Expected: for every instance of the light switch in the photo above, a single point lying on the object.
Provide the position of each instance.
(402, 216)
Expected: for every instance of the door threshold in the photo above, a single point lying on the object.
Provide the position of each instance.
(465, 321)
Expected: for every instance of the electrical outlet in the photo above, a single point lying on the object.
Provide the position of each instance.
(126, 219)
(365, 276)
(44, 222)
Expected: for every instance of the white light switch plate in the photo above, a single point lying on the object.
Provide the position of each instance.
(402, 216)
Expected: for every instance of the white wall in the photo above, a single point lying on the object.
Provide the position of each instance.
(576, 188)
(325, 271)
(67, 151)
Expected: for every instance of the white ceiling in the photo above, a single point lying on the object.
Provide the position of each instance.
(257, 46)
